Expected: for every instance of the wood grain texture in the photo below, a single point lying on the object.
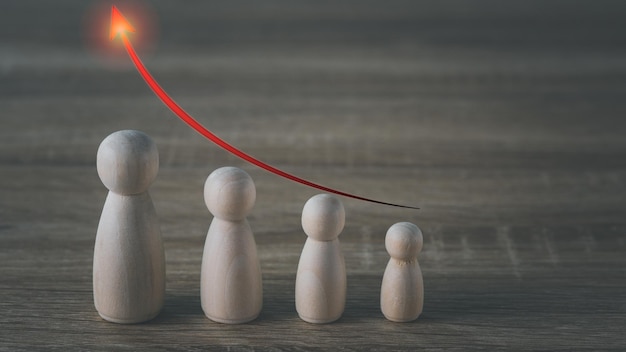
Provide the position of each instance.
(402, 288)
(128, 260)
(231, 287)
(321, 275)
(504, 122)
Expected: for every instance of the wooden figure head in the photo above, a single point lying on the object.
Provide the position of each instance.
(323, 217)
(404, 241)
(229, 193)
(127, 162)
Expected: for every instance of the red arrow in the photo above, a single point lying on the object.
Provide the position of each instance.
(119, 26)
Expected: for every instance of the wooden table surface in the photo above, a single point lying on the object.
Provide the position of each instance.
(504, 121)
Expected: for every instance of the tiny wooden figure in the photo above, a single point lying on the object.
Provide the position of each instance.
(128, 260)
(321, 277)
(402, 290)
(230, 283)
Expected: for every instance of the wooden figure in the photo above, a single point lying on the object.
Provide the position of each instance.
(321, 277)
(128, 261)
(402, 290)
(231, 283)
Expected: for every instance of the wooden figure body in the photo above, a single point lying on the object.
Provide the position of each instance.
(402, 289)
(321, 279)
(129, 261)
(231, 282)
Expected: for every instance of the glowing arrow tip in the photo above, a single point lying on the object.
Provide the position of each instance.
(119, 24)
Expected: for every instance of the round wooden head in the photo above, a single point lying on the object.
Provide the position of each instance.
(229, 193)
(127, 162)
(323, 217)
(404, 241)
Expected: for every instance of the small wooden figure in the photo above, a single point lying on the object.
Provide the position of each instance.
(230, 283)
(321, 277)
(402, 290)
(128, 261)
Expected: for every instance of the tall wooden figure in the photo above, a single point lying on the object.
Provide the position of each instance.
(128, 261)
(230, 283)
(402, 291)
(321, 278)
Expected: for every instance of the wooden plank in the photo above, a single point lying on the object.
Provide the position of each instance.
(503, 123)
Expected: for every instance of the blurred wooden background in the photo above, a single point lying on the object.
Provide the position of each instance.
(504, 121)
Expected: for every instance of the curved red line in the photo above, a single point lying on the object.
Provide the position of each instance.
(182, 114)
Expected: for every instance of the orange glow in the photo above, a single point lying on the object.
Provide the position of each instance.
(119, 24)
(137, 17)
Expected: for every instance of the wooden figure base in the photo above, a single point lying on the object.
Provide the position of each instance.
(319, 321)
(129, 321)
(232, 321)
